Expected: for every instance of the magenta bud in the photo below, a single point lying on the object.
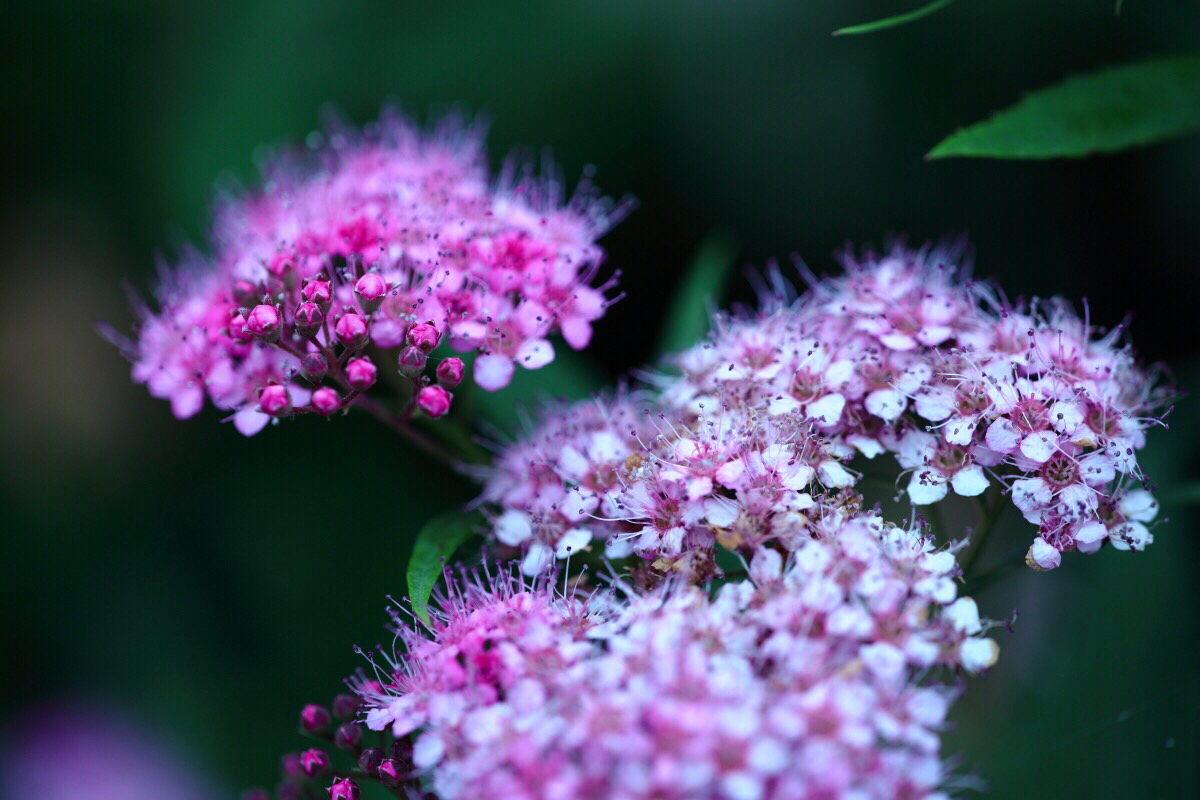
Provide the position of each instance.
(348, 737)
(237, 329)
(291, 791)
(314, 718)
(450, 372)
(315, 762)
(424, 336)
(370, 290)
(245, 293)
(291, 767)
(390, 773)
(343, 789)
(325, 401)
(274, 400)
(345, 706)
(351, 330)
(313, 367)
(370, 759)
(412, 361)
(360, 372)
(309, 317)
(319, 293)
(434, 401)
(263, 323)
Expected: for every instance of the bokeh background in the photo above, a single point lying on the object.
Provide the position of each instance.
(201, 586)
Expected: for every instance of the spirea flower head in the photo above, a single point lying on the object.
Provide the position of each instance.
(815, 677)
(392, 238)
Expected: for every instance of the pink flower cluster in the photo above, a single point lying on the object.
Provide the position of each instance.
(391, 239)
(814, 678)
(900, 354)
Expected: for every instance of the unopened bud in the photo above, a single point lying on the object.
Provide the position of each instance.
(274, 400)
(325, 401)
(450, 372)
(424, 336)
(370, 759)
(360, 372)
(345, 706)
(319, 293)
(412, 361)
(348, 737)
(343, 789)
(309, 317)
(263, 323)
(313, 367)
(291, 791)
(351, 330)
(370, 290)
(291, 768)
(390, 773)
(314, 718)
(315, 762)
(434, 401)
(237, 329)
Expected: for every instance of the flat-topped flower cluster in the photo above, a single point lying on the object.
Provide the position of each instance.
(391, 241)
(900, 354)
(824, 672)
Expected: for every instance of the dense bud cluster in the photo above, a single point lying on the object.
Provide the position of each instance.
(385, 239)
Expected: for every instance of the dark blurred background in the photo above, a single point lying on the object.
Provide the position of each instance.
(207, 585)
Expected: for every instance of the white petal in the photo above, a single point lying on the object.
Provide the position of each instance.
(827, 410)
(963, 614)
(513, 527)
(1089, 537)
(720, 512)
(783, 405)
(535, 354)
(926, 486)
(1042, 555)
(250, 421)
(493, 372)
(572, 542)
(887, 404)
(959, 430)
(978, 654)
(1138, 505)
(969, 481)
(537, 559)
(1002, 436)
(1039, 446)
(1130, 536)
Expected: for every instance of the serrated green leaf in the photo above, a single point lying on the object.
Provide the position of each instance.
(893, 22)
(1102, 112)
(688, 317)
(436, 542)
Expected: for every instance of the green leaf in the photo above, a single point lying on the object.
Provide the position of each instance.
(688, 317)
(436, 542)
(1102, 112)
(893, 22)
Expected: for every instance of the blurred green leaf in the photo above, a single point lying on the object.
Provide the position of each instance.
(688, 317)
(436, 542)
(1101, 112)
(893, 22)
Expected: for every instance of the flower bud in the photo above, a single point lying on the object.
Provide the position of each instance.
(348, 737)
(309, 317)
(344, 789)
(345, 706)
(370, 759)
(291, 768)
(313, 367)
(264, 324)
(390, 773)
(450, 372)
(424, 336)
(245, 293)
(370, 290)
(319, 293)
(434, 401)
(237, 329)
(325, 401)
(315, 762)
(291, 791)
(275, 401)
(314, 718)
(360, 372)
(412, 361)
(351, 330)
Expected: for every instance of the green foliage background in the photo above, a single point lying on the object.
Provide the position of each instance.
(213, 584)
